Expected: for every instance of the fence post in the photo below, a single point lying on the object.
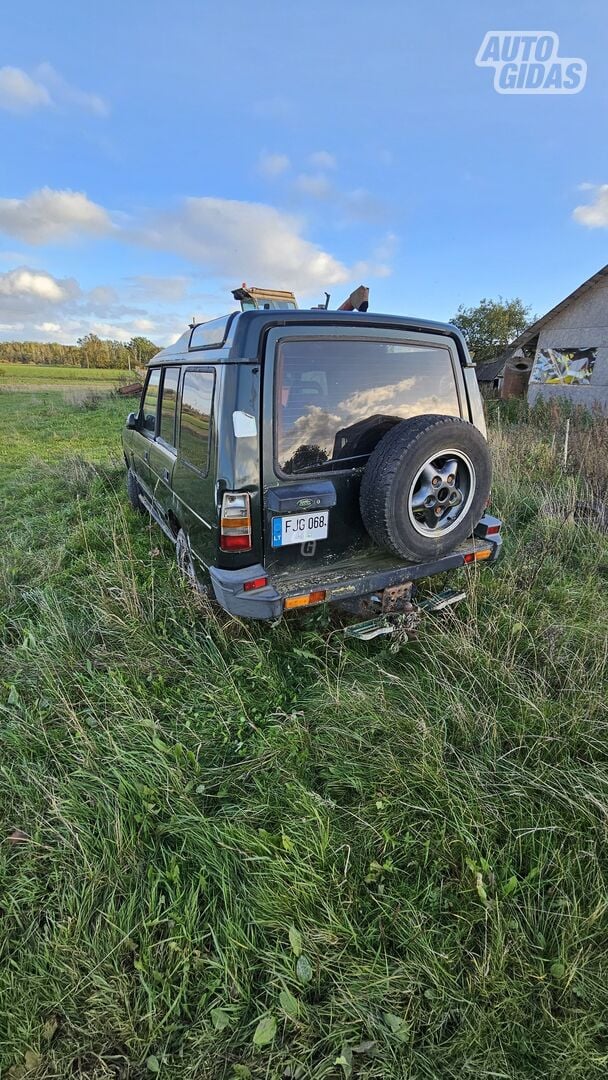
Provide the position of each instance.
(566, 445)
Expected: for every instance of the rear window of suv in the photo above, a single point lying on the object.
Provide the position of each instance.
(336, 398)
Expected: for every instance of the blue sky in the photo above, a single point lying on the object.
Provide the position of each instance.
(156, 155)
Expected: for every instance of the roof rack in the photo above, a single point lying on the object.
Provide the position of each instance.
(251, 298)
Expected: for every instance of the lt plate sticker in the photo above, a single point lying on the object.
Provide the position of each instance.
(299, 528)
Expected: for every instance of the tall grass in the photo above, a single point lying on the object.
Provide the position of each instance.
(233, 850)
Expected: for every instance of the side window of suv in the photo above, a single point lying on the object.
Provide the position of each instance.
(167, 406)
(195, 418)
(150, 402)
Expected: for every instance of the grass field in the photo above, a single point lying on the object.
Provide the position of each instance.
(238, 851)
(50, 377)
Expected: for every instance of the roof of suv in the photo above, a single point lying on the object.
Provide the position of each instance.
(237, 336)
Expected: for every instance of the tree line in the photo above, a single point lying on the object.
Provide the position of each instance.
(90, 351)
(488, 328)
(492, 325)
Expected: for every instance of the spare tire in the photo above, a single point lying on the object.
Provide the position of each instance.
(426, 486)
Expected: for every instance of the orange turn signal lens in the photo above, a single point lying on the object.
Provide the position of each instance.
(306, 600)
(477, 556)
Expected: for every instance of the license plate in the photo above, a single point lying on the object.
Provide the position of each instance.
(299, 528)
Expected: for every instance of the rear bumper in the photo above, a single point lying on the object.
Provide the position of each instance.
(268, 603)
(264, 603)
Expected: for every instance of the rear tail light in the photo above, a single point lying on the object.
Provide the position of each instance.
(235, 522)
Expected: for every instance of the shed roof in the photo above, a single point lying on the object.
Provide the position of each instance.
(535, 328)
(491, 370)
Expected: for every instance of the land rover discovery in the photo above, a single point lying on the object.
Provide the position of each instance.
(296, 457)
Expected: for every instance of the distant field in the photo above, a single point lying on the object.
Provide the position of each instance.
(49, 377)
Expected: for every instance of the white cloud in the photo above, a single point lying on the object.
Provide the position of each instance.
(369, 268)
(47, 216)
(45, 87)
(315, 185)
(24, 283)
(273, 164)
(378, 265)
(164, 289)
(595, 213)
(115, 331)
(322, 159)
(102, 297)
(19, 92)
(228, 240)
(64, 93)
(36, 305)
(386, 248)
(356, 205)
(14, 257)
(244, 241)
(361, 205)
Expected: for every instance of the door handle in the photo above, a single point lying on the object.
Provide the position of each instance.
(146, 455)
(166, 475)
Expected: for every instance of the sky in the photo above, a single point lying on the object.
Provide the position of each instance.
(157, 155)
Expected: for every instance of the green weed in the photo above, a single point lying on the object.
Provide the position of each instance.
(232, 850)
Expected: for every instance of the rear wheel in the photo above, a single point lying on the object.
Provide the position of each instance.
(133, 491)
(426, 486)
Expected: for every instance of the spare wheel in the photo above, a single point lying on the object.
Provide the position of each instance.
(425, 486)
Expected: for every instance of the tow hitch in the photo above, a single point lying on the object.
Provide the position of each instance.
(402, 625)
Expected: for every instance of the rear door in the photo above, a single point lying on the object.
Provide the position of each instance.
(143, 436)
(162, 451)
(329, 397)
(193, 472)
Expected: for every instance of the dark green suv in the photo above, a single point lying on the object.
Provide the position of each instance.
(296, 457)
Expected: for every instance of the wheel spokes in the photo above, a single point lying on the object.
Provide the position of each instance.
(441, 490)
(423, 497)
(449, 472)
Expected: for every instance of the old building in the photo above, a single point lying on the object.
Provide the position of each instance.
(490, 373)
(570, 346)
